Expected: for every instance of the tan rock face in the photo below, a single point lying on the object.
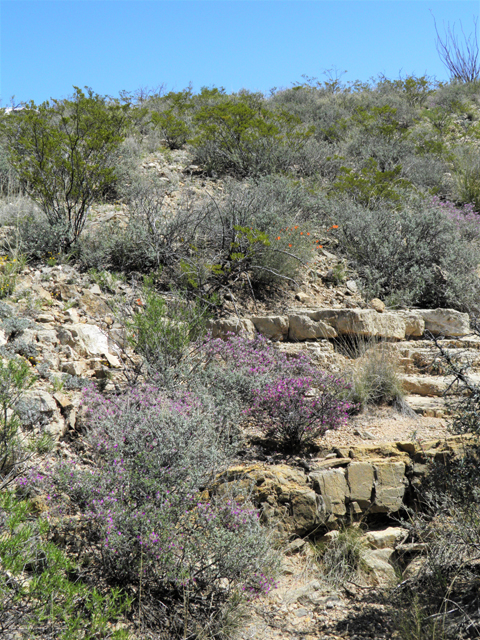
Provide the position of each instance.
(414, 323)
(366, 323)
(304, 328)
(360, 478)
(332, 487)
(425, 385)
(233, 325)
(390, 486)
(94, 305)
(272, 327)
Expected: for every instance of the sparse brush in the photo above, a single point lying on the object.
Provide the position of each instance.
(340, 559)
(374, 376)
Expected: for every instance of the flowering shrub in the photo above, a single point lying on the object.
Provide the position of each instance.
(466, 219)
(275, 389)
(287, 414)
(158, 531)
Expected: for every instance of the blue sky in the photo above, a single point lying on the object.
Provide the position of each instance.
(46, 47)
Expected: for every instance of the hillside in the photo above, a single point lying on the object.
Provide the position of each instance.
(240, 364)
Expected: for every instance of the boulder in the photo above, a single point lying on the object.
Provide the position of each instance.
(376, 561)
(377, 305)
(94, 304)
(272, 327)
(47, 336)
(446, 322)
(38, 408)
(89, 340)
(386, 538)
(304, 328)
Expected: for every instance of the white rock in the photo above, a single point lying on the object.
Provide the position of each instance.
(387, 538)
(89, 339)
(446, 322)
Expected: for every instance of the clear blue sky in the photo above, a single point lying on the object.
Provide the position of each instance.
(112, 45)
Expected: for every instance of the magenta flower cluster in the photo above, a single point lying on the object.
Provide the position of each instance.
(466, 219)
(286, 413)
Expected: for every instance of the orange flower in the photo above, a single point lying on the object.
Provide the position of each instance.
(320, 246)
(296, 227)
(334, 226)
(278, 238)
(289, 245)
(301, 233)
(308, 234)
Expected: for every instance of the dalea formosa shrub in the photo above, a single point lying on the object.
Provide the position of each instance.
(287, 412)
(291, 400)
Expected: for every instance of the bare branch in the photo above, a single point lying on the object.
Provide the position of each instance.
(460, 54)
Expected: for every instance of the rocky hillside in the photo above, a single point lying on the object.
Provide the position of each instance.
(240, 368)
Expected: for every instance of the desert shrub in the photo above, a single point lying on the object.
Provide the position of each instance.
(61, 153)
(370, 186)
(467, 163)
(374, 377)
(340, 560)
(10, 268)
(294, 420)
(9, 183)
(240, 136)
(172, 116)
(15, 379)
(258, 230)
(159, 535)
(162, 331)
(416, 255)
(415, 90)
(211, 245)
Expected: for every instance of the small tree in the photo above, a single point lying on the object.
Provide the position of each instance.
(61, 152)
(460, 55)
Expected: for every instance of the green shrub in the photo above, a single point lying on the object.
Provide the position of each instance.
(371, 186)
(241, 137)
(15, 379)
(162, 331)
(374, 376)
(467, 163)
(61, 154)
(40, 592)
